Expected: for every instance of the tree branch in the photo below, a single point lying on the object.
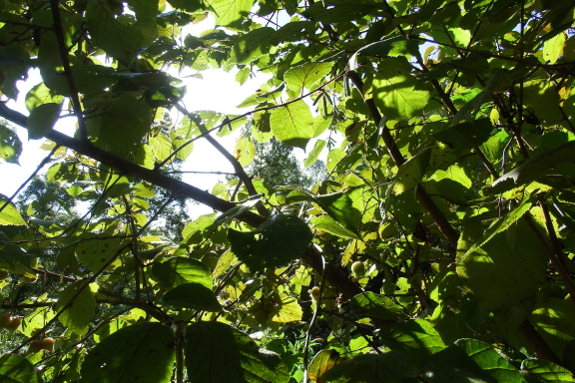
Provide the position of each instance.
(238, 168)
(436, 215)
(335, 276)
(54, 5)
(131, 169)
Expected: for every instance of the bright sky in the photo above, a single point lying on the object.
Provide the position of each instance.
(217, 91)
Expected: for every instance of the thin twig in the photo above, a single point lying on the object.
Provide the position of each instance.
(240, 172)
(54, 5)
(34, 173)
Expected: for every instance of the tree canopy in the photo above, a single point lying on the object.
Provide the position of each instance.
(437, 248)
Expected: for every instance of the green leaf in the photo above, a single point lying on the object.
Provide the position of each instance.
(535, 167)
(542, 96)
(454, 365)
(141, 353)
(276, 242)
(128, 115)
(180, 270)
(375, 305)
(327, 223)
(161, 146)
(315, 152)
(411, 171)
(293, 31)
(244, 151)
(187, 5)
(466, 135)
(322, 362)
(388, 367)
(399, 95)
(95, 253)
(336, 11)
(393, 46)
(416, 338)
(292, 124)
(17, 369)
(40, 95)
(452, 36)
(339, 206)
(146, 11)
(193, 296)
(119, 36)
(469, 110)
(229, 13)
(543, 371)
(252, 45)
(10, 214)
(497, 227)
(553, 48)
(10, 145)
(490, 361)
(36, 321)
(79, 310)
(553, 319)
(306, 76)
(92, 78)
(41, 120)
(507, 269)
(216, 353)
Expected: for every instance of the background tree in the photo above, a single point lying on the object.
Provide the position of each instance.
(439, 249)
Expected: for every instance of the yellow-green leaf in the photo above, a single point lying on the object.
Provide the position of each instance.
(10, 214)
(293, 124)
(244, 151)
(553, 48)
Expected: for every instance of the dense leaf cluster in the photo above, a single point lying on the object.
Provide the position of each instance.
(452, 186)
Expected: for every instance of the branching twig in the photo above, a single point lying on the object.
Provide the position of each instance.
(54, 5)
(238, 168)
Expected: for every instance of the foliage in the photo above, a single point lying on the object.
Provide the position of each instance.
(276, 164)
(452, 184)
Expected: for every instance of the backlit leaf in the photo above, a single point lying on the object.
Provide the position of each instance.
(506, 269)
(306, 75)
(95, 253)
(399, 95)
(293, 124)
(180, 270)
(39, 95)
(252, 45)
(10, 145)
(119, 36)
(9, 214)
(42, 119)
(230, 12)
(244, 151)
(553, 48)
(322, 362)
(79, 308)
